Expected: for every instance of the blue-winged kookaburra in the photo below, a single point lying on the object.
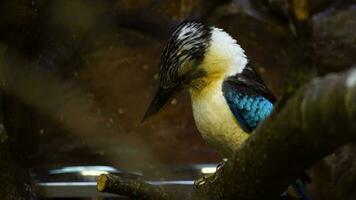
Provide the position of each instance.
(229, 98)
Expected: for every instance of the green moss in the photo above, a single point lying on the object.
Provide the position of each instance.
(3, 134)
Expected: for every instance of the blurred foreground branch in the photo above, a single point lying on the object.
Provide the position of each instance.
(314, 122)
(15, 181)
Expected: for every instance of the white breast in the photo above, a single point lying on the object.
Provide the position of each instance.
(215, 121)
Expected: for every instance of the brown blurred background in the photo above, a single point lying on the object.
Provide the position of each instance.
(76, 76)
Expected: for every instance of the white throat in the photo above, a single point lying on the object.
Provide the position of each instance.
(213, 117)
(224, 55)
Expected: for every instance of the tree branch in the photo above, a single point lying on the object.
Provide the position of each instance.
(133, 188)
(314, 122)
(319, 118)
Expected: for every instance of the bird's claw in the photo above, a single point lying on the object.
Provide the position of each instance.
(221, 164)
(201, 181)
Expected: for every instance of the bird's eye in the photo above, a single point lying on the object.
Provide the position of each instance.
(186, 67)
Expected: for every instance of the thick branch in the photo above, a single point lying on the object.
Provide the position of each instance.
(319, 118)
(137, 189)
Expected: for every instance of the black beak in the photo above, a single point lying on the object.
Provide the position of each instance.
(162, 98)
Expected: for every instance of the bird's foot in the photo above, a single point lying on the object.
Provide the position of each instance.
(209, 177)
(200, 181)
(222, 163)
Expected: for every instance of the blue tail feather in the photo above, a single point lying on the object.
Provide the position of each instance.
(296, 190)
(298, 186)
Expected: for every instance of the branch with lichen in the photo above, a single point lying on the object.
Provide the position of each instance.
(319, 118)
(134, 188)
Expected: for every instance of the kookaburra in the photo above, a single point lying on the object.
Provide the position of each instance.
(229, 98)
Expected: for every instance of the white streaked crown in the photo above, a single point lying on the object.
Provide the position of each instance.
(196, 51)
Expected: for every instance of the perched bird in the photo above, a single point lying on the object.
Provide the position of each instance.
(229, 98)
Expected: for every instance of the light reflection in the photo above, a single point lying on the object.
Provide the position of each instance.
(85, 169)
(208, 170)
(93, 172)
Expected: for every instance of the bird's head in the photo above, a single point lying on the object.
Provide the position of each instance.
(195, 55)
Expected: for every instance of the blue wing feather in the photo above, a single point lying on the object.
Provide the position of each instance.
(248, 98)
(248, 109)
